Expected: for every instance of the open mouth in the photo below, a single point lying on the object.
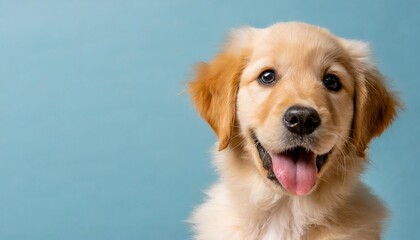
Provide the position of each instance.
(295, 170)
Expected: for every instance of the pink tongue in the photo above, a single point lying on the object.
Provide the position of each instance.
(296, 171)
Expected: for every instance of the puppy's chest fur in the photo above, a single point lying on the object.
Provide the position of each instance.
(244, 207)
(227, 216)
(286, 223)
(288, 219)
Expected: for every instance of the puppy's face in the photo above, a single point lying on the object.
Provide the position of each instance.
(299, 95)
(295, 102)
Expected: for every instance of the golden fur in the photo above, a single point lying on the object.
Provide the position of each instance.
(245, 204)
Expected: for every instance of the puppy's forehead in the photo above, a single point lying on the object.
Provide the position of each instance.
(294, 41)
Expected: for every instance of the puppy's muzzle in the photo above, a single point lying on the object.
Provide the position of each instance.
(301, 120)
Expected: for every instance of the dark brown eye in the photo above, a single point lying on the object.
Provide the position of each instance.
(267, 77)
(331, 82)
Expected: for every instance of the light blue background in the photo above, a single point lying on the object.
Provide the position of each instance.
(97, 140)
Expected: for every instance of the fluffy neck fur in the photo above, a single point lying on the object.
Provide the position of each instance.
(279, 214)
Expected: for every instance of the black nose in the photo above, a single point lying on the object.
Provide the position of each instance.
(301, 120)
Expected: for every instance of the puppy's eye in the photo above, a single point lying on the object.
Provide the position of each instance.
(267, 77)
(331, 82)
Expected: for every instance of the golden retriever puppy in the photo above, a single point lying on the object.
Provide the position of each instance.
(294, 109)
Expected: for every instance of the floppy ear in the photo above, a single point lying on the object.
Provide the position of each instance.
(375, 105)
(214, 91)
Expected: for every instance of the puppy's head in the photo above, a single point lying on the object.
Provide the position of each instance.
(299, 96)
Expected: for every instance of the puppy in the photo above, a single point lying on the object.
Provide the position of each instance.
(294, 109)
